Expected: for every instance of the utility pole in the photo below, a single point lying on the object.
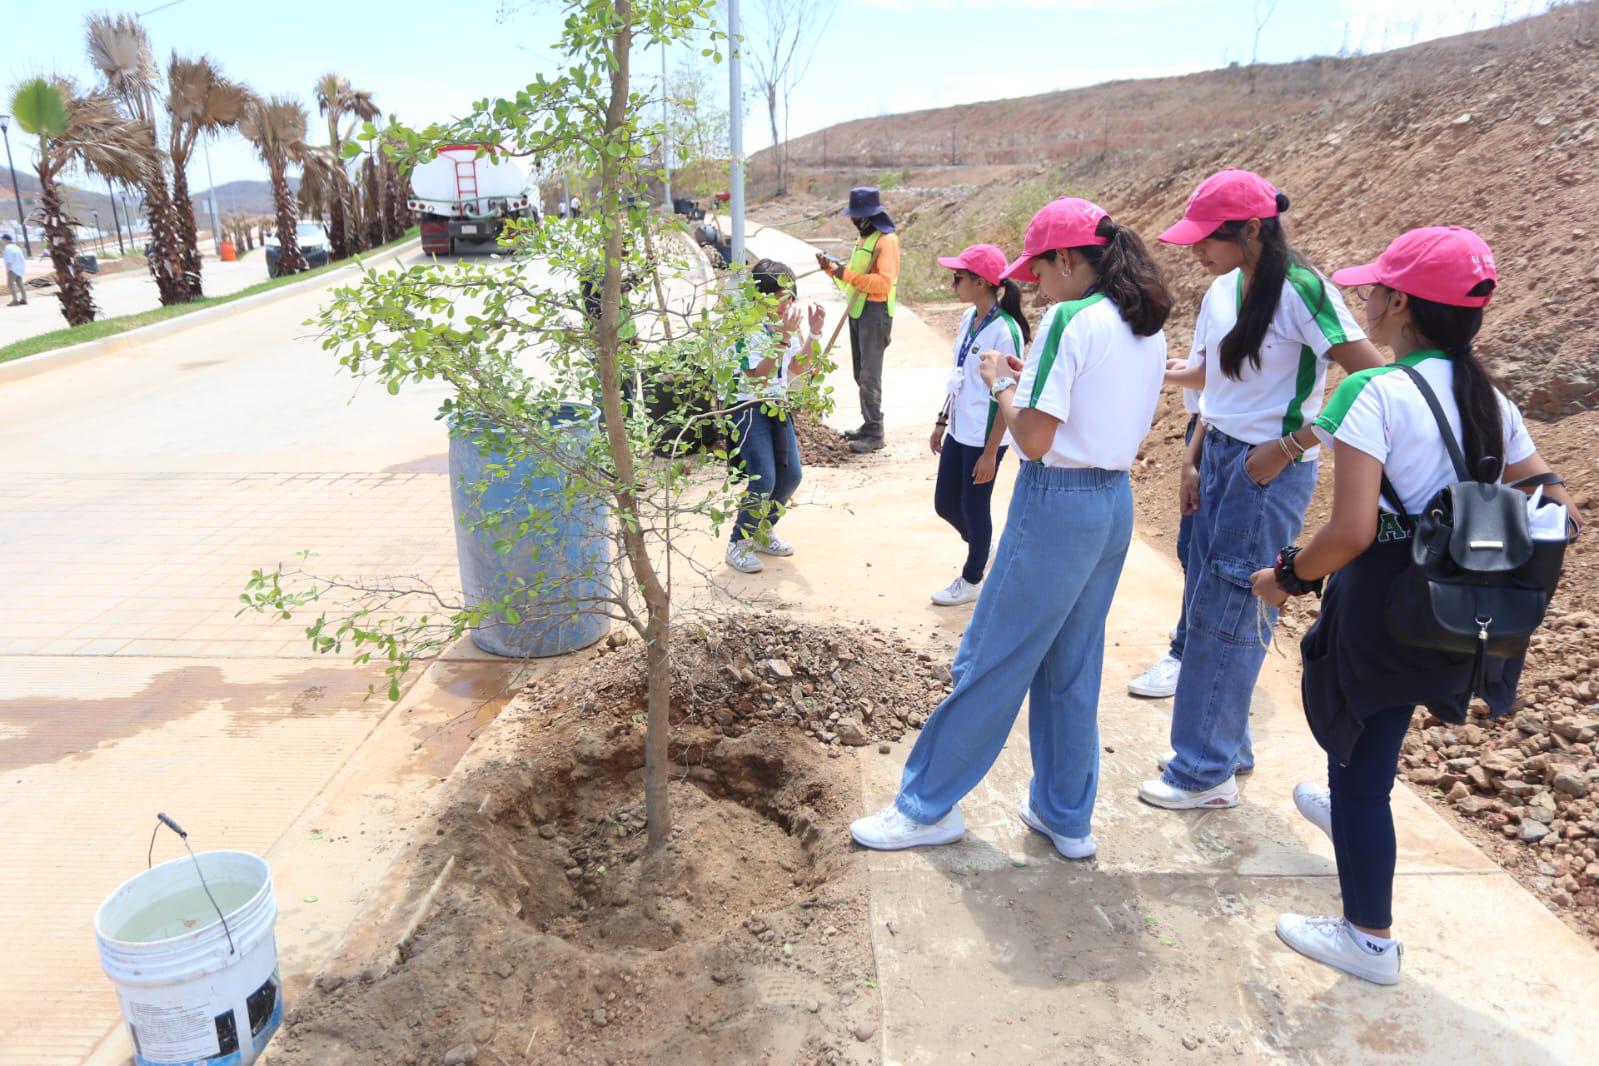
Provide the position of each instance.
(736, 130)
(211, 195)
(5, 131)
(98, 232)
(112, 196)
(666, 134)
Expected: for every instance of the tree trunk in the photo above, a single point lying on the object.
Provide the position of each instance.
(657, 601)
(290, 261)
(188, 231)
(777, 147)
(374, 204)
(397, 217)
(72, 285)
(338, 229)
(166, 254)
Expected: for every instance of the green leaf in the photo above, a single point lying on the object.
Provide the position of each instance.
(40, 108)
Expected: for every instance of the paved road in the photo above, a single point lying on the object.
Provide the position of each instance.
(123, 293)
(141, 488)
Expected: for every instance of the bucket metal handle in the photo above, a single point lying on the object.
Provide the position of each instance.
(163, 820)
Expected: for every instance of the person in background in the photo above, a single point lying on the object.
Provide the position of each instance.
(574, 207)
(767, 449)
(1080, 412)
(869, 281)
(969, 437)
(1160, 680)
(16, 265)
(1280, 325)
(1424, 298)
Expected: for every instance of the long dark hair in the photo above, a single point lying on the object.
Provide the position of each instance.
(1242, 343)
(1009, 295)
(1452, 330)
(1128, 277)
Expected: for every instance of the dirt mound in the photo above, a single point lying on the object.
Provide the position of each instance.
(822, 445)
(555, 938)
(841, 686)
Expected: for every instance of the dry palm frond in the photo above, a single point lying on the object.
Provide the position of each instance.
(100, 138)
(362, 106)
(276, 127)
(317, 166)
(120, 50)
(199, 100)
(333, 94)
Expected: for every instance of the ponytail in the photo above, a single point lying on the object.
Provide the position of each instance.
(1010, 302)
(1129, 277)
(1243, 342)
(1452, 329)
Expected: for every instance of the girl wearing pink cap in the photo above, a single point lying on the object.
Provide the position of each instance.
(969, 436)
(1079, 413)
(1424, 300)
(1269, 326)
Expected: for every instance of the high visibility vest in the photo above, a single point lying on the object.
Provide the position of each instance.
(860, 261)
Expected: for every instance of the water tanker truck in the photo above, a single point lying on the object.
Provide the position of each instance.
(462, 199)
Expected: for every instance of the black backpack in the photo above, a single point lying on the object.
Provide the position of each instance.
(1478, 584)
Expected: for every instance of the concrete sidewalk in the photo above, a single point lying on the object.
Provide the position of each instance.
(1162, 948)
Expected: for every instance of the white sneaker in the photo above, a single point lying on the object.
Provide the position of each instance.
(741, 557)
(1159, 681)
(1171, 756)
(1315, 803)
(774, 545)
(1158, 793)
(1328, 940)
(890, 830)
(1069, 847)
(958, 592)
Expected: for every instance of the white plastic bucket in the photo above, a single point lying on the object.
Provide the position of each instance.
(187, 996)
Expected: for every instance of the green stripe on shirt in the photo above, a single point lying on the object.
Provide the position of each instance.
(1344, 396)
(1060, 316)
(1309, 286)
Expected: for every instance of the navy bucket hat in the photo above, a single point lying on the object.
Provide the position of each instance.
(864, 203)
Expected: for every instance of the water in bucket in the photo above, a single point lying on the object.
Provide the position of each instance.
(184, 911)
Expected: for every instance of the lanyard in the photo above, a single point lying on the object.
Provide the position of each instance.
(971, 337)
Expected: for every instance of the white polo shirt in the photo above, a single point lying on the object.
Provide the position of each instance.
(972, 410)
(1088, 369)
(1382, 413)
(1286, 392)
(765, 344)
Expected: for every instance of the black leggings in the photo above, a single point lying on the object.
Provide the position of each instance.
(965, 505)
(1363, 821)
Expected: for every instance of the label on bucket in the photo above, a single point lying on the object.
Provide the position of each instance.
(169, 1036)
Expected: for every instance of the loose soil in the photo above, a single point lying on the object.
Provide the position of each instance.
(556, 938)
(822, 445)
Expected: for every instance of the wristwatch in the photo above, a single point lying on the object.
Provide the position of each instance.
(1000, 385)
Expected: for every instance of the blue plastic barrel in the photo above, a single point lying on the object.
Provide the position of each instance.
(566, 560)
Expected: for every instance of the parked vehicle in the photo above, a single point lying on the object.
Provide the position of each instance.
(462, 200)
(314, 245)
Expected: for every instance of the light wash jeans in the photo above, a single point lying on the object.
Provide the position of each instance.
(1039, 631)
(768, 452)
(1237, 530)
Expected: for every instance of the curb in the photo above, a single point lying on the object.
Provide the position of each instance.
(29, 365)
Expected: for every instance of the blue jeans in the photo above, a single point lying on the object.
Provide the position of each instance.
(1185, 535)
(768, 453)
(1363, 820)
(1237, 530)
(965, 505)
(1038, 631)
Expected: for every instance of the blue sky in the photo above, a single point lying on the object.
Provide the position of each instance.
(425, 61)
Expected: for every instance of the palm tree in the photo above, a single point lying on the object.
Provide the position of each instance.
(82, 130)
(333, 94)
(277, 129)
(120, 50)
(200, 101)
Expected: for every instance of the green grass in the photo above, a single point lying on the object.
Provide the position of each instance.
(109, 327)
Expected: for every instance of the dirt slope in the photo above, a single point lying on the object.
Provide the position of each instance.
(1497, 130)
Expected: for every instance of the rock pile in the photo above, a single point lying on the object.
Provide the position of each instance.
(842, 686)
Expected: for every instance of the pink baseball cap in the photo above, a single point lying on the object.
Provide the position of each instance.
(1438, 263)
(1232, 195)
(1069, 222)
(984, 260)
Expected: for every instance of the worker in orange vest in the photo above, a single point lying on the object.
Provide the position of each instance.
(868, 281)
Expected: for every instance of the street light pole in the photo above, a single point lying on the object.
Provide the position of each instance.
(112, 196)
(98, 233)
(735, 131)
(211, 196)
(5, 131)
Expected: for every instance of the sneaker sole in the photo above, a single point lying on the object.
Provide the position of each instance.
(1385, 979)
(1326, 829)
(943, 836)
(952, 603)
(1149, 693)
(1031, 822)
(1212, 803)
(774, 554)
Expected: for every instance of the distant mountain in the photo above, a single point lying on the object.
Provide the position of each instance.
(251, 197)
